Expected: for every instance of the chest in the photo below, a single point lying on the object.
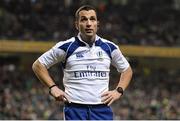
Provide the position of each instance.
(84, 56)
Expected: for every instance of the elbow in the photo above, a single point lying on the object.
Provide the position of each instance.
(37, 66)
(130, 72)
(34, 66)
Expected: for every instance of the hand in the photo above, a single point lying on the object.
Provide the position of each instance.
(58, 94)
(110, 96)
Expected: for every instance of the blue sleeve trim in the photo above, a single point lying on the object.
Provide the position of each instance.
(65, 46)
(70, 47)
(113, 47)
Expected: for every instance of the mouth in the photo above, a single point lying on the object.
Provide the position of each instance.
(89, 30)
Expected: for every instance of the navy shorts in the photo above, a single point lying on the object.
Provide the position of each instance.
(74, 111)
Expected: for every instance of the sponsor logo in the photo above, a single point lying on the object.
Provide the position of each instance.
(80, 54)
(80, 74)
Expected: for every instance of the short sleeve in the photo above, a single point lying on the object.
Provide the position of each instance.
(52, 56)
(119, 61)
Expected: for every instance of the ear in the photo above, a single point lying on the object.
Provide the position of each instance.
(98, 24)
(76, 25)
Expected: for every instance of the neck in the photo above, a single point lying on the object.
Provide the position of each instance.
(88, 40)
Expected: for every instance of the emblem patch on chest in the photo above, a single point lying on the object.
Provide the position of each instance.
(100, 55)
(80, 54)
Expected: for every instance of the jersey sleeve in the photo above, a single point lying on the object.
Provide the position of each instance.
(52, 56)
(119, 61)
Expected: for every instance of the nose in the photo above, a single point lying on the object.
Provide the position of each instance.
(88, 23)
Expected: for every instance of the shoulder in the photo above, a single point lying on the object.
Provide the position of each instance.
(64, 44)
(108, 43)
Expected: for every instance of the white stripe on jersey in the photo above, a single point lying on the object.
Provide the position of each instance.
(86, 69)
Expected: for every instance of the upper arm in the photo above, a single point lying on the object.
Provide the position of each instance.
(37, 66)
(119, 61)
(52, 56)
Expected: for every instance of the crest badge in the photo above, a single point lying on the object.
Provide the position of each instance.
(100, 55)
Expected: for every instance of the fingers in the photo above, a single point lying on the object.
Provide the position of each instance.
(58, 94)
(65, 98)
(105, 97)
(108, 100)
(111, 101)
(105, 94)
(109, 97)
(61, 98)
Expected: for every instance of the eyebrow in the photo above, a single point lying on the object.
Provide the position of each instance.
(87, 17)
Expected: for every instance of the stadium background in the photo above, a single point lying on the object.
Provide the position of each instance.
(147, 31)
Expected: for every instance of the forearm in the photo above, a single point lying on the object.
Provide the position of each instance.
(125, 78)
(42, 74)
(110, 96)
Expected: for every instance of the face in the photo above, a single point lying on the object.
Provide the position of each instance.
(87, 24)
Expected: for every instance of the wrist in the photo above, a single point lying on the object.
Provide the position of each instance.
(120, 90)
(54, 85)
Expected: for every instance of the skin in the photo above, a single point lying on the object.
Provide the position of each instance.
(87, 25)
(43, 75)
(110, 96)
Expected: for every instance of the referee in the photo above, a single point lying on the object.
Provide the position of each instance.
(86, 60)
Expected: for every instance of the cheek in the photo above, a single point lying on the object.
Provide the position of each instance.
(95, 27)
(81, 27)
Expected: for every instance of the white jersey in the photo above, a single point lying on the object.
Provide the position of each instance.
(86, 69)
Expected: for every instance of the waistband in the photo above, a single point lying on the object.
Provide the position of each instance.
(84, 105)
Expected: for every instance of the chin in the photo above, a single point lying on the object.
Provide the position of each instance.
(90, 34)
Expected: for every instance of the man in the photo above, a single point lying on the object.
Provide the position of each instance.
(86, 59)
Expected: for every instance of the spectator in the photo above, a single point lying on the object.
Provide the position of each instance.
(130, 22)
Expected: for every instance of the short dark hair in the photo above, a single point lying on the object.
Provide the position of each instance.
(84, 7)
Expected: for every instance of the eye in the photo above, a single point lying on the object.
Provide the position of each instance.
(93, 18)
(83, 19)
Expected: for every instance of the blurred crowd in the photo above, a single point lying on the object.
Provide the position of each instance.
(152, 94)
(22, 96)
(136, 22)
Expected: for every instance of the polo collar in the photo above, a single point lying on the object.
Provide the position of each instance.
(79, 37)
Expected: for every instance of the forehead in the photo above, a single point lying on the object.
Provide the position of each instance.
(87, 13)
